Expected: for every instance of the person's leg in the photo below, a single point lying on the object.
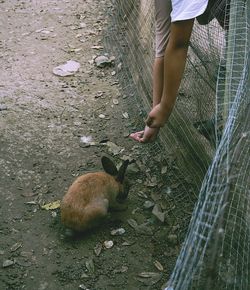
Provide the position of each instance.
(162, 23)
(174, 64)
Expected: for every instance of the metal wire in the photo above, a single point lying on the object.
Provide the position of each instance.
(208, 134)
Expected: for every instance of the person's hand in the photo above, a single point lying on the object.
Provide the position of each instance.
(157, 117)
(146, 136)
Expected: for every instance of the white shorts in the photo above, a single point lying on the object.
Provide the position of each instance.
(167, 11)
(187, 9)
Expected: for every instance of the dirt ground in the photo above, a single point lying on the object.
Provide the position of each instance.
(55, 128)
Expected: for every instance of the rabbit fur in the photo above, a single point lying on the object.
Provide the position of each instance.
(91, 195)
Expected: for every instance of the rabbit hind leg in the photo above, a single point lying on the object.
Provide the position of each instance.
(93, 215)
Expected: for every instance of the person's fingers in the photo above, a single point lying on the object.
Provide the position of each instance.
(134, 137)
(145, 136)
(137, 136)
(140, 133)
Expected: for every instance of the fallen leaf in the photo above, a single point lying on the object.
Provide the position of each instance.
(16, 246)
(158, 213)
(31, 202)
(8, 263)
(24, 262)
(98, 249)
(144, 229)
(123, 269)
(158, 265)
(149, 278)
(113, 148)
(173, 239)
(132, 223)
(82, 286)
(118, 232)
(84, 276)
(52, 205)
(102, 61)
(127, 243)
(90, 265)
(148, 274)
(164, 170)
(142, 194)
(125, 115)
(97, 47)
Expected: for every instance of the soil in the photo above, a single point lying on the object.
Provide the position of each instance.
(56, 128)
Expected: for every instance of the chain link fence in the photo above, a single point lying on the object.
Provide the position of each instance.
(207, 135)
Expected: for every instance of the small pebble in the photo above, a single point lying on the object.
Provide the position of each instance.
(8, 263)
(118, 232)
(3, 107)
(115, 102)
(148, 204)
(108, 244)
(173, 239)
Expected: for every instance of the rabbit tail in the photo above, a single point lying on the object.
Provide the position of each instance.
(93, 216)
(84, 219)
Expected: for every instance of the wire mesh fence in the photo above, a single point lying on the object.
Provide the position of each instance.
(208, 133)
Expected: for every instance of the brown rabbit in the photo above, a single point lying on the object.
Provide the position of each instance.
(90, 196)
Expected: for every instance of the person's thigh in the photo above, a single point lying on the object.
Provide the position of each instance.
(162, 25)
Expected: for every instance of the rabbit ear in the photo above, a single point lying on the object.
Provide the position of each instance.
(109, 166)
(122, 170)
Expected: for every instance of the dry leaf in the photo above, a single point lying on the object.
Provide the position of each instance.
(148, 274)
(158, 213)
(98, 249)
(118, 232)
(132, 223)
(125, 115)
(15, 247)
(52, 205)
(158, 265)
(90, 265)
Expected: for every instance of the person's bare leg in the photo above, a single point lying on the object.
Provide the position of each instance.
(149, 134)
(174, 64)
